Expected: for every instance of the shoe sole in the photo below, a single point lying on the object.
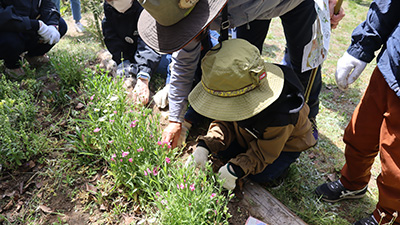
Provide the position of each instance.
(339, 199)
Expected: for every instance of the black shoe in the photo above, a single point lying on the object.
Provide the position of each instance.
(334, 191)
(367, 221)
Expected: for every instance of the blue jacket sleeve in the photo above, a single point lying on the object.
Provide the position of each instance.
(368, 37)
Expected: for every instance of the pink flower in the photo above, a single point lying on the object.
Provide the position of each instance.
(155, 172)
(159, 143)
(90, 103)
(110, 141)
(133, 123)
(164, 202)
(148, 171)
(158, 194)
(124, 154)
(92, 97)
(115, 112)
(145, 173)
(130, 160)
(112, 159)
(213, 195)
(177, 186)
(120, 160)
(192, 187)
(167, 160)
(139, 150)
(182, 186)
(112, 121)
(114, 155)
(96, 130)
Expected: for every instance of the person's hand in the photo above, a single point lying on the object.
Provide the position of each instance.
(199, 158)
(141, 91)
(335, 17)
(171, 133)
(230, 179)
(49, 34)
(161, 97)
(348, 70)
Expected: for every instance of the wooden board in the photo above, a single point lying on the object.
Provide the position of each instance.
(265, 207)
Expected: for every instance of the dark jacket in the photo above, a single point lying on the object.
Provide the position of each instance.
(381, 30)
(23, 15)
(122, 38)
(282, 126)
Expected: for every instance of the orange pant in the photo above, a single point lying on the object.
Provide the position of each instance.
(375, 128)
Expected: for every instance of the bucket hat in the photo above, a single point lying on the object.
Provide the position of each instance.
(236, 83)
(169, 25)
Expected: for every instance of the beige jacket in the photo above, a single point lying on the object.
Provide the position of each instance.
(260, 152)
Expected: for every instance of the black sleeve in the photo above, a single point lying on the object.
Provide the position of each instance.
(113, 43)
(49, 13)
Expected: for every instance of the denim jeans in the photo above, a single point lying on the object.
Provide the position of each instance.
(271, 172)
(75, 8)
(12, 44)
(297, 25)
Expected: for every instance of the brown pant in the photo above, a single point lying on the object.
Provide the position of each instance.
(375, 128)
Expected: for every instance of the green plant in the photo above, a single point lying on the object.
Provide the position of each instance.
(127, 138)
(19, 141)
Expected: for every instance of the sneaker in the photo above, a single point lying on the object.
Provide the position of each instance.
(36, 61)
(314, 128)
(367, 221)
(15, 73)
(335, 191)
(79, 27)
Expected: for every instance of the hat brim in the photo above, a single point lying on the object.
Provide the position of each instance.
(168, 39)
(243, 106)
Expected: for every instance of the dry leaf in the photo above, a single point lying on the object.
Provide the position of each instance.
(91, 188)
(79, 106)
(45, 209)
(103, 208)
(9, 205)
(332, 177)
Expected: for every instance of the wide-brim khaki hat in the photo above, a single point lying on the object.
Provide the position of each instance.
(186, 24)
(236, 83)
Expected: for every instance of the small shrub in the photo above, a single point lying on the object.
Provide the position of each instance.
(19, 141)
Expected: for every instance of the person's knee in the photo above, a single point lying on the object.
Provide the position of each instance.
(11, 44)
(62, 27)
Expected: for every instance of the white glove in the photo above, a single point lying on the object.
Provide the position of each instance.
(345, 65)
(199, 158)
(184, 133)
(230, 179)
(49, 34)
(161, 97)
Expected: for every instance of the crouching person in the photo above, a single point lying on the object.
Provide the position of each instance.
(28, 26)
(261, 124)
